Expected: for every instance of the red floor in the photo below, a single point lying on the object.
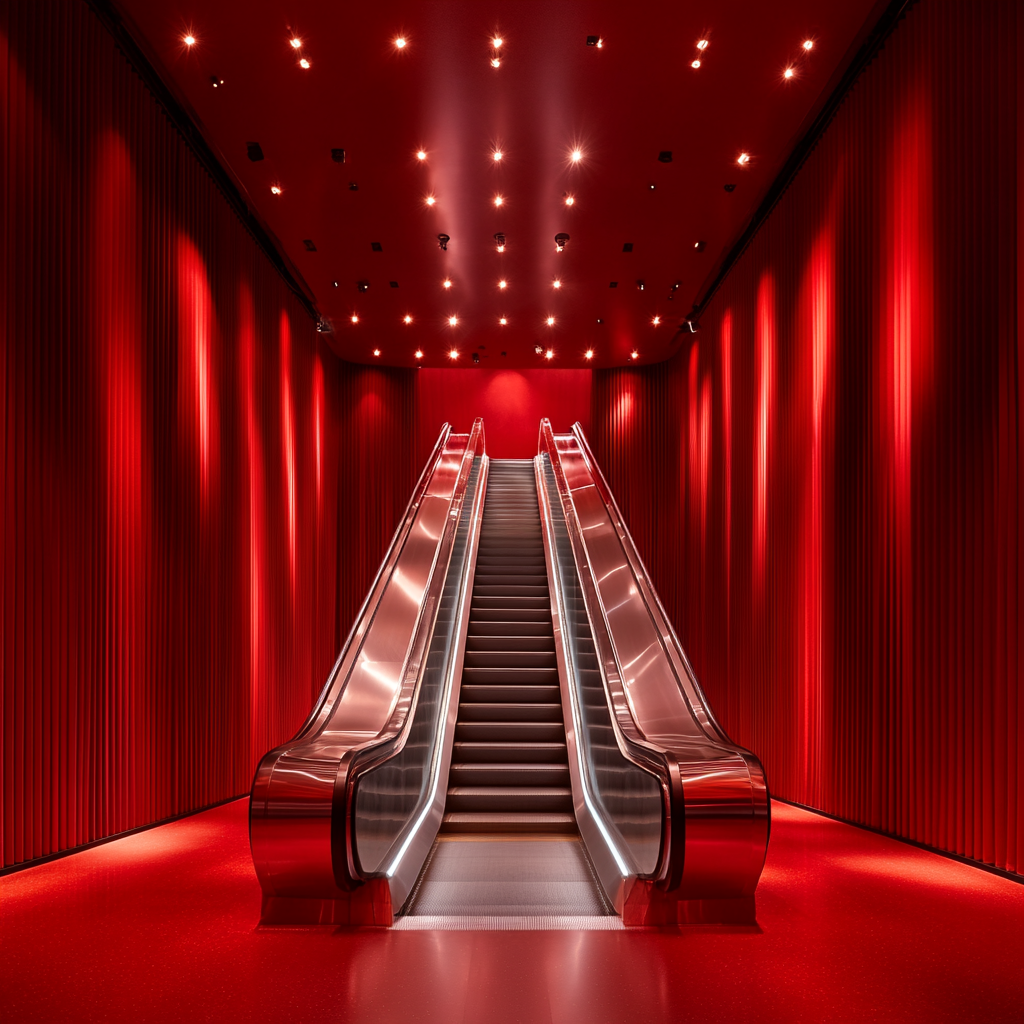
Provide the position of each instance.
(853, 927)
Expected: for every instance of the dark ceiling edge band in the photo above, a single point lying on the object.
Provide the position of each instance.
(1011, 876)
(874, 42)
(183, 122)
(10, 869)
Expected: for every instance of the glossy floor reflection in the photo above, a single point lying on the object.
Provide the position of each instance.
(161, 926)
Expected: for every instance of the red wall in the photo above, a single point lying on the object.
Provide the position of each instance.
(825, 482)
(175, 436)
(512, 403)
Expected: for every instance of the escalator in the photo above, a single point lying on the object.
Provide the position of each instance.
(512, 732)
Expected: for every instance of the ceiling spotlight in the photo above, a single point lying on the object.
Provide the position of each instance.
(538, 350)
(497, 41)
(551, 321)
(640, 285)
(561, 241)
(443, 240)
(556, 283)
(743, 159)
(406, 319)
(418, 354)
(699, 245)
(430, 200)
(550, 354)
(498, 200)
(216, 82)
(355, 319)
(589, 354)
(634, 355)
(695, 64)
(447, 282)
(400, 42)
(453, 321)
(334, 284)
(363, 286)
(275, 190)
(702, 44)
(421, 154)
(503, 321)
(788, 73)
(576, 156)
(495, 63)
(499, 237)
(498, 154)
(808, 44)
(189, 40)
(304, 64)
(453, 354)
(656, 321)
(503, 284)
(570, 200)
(376, 351)
(296, 43)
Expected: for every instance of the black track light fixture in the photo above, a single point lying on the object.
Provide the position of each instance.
(443, 240)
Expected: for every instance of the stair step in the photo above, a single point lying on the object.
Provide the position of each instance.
(519, 627)
(509, 642)
(511, 659)
(529, 799)
(488, 752)
(514, 712)
(476, 822)
(488, 676)
(505, 773)
(502, 693)
(510, 732)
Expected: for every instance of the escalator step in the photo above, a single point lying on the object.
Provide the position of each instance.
(502, 773)
(516, 712)
(509, 732)
(527, 799)
(468, 821)
(487, 752)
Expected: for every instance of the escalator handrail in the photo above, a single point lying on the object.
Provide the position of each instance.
(342, 664)
(697, 700)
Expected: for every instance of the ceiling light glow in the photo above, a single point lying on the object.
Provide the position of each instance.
(275, 190)
(634, 355)
(576, 155)
(498, 154)
(497, 41)
(550, 354)
(400, 42)
(656, 321)
(495, 63)
(551, 321)
(447, 282)
(376, 351)
(556, 283)
(296, 43)
(501, 248)
(421, 154)
(702, 44)
(453, 354)
(431, 200)
(695, 64)
(407, 319)
(453, 321)
(569, 200)
(418, 354)
(355, 319)
(503, 321)
(743, 159)
(788, 73)
(304, 64)
(589, 354)
(503, 284)
(808, 44)
(499, 200)
(189, 40)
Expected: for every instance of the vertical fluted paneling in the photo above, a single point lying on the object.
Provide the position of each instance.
(846, 573)
(186, 532)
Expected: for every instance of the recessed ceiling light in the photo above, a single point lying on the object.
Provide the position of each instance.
(589, 354)
(556, 283)
(497, 41)
(501, 248)
(447, 282)
(453, 354)
(600, 43)
(296, 42)
(499, 200)
(189, 40)
(695, 64)
(304, 64)
(576, 155)
(503, 321)
(495, 63)
(808, 44)
(569, 200)
(743, 159)
(406, 319)
(702, 44)
(376, 351)
(453, 321)
(400, 42)
(421, 154)
(275, 190)
(418, 354)
(430, 200)
(355, 319)
(788, 73)
(498, 154)
(656, 321)
(503, 284)
(216, 82)
(551, 321)
(550, 354)
(634, 355)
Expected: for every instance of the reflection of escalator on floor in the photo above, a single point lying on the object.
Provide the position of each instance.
(508, 844)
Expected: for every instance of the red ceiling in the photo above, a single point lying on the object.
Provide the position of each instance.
(622, 103)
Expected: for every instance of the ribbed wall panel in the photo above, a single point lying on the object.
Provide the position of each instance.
(825, 481)
(177, 568)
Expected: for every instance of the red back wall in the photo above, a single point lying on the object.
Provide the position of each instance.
(512, 403)
(177, 567)
(825, 482)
